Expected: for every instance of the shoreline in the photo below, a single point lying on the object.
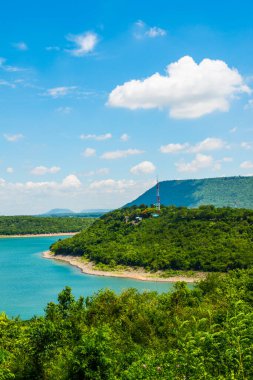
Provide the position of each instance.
(141, 275)
(39, 235)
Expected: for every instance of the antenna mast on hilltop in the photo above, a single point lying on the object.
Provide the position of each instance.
(158, 201)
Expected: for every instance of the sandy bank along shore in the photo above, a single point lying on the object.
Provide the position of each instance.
(39, 235)
(140, 274)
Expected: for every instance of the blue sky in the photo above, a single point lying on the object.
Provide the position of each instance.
(98, 98)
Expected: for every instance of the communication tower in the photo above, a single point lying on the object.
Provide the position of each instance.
(158, 200)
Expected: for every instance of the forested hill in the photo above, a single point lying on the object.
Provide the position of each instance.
(205, 238)
(220, 192)
(22, 225)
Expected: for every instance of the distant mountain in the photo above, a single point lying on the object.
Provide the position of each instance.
(65, 212)
(95, 211)
(220, 192)
(59, 211)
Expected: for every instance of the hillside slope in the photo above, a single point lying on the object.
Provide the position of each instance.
(220, 192)
(206, 239)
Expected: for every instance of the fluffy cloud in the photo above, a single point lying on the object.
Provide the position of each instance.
(142, 30)
(209, 144)
(112, 185)
(42, 170)
(9, 170)
(105, 136)
(121, 154)
(58, 92)
(155, 32)
(71, 181)
(89, 152)
(246, 165)
(201, 161)
(174, 148)
(189, 90)
(144, 167)
(124, 137)
(37, 197)
(84, 43)
(13, 138)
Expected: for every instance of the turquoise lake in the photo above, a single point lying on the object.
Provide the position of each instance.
(28, 281)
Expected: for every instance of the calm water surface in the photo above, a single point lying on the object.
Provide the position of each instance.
(28, 282)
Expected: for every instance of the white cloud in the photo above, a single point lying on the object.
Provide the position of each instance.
(143, 30)
(57, 92)
(105, 136)
(64, 110)
(124, 137)
(9, 170)
(233, 130)
(71, 181)
(209, 144)
(13, 138)
(144, 167)
(246, 165)
(89, 152)
(37, 197)
(21, 46)
(201, 161)
(173, 148)
(189, 90)
(121, 154)
(84, 43)
(155, 32)
(246, 145)
(42, 170)
(111, 185)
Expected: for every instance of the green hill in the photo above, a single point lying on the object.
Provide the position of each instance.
(206, 238)
(220, 192)
(22, 225)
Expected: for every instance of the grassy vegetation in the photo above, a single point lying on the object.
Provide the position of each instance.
(202, 239)
(203, 333)
(21, 225)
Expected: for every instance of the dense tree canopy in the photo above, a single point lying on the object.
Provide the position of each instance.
(21, 225)
(203, 333)
(206, 238)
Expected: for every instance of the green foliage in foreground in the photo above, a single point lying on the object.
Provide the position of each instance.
(21, 225)
(204, 333)
(206, 239)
